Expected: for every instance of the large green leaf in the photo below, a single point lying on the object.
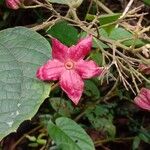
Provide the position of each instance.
(21, 94)
(69, 135)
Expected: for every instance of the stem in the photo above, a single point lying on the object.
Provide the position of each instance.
(100, 142)
(20, 139)
(45, 24)
(108, 95)
(54, 86)
(31, 7)
(100, 4)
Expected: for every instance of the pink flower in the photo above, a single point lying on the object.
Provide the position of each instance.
(69, 68)
(145, 69)
(13, 4)
(143, 99)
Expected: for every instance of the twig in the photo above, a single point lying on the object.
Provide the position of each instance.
(16, 143)
(100, 142)
(107, 96)
(126, 10)
(100, 4)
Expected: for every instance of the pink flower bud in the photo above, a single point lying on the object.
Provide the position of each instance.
(13, 4)
(143, 99)
(145, 69)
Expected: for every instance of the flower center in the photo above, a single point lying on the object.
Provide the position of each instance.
(69, 65)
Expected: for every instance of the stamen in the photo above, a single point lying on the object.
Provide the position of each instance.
(69, 65)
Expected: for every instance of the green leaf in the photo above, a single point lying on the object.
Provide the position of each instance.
(61, 106)
(136, 143)
(69, 135)
(107, 21)
(64, 32)
(1, 1)
(90, 17)
(91, 89)
(101, 119)
(96, 43)
(108, 18)
(22, 51)
(147, 85)
(97, 57)
(122, 34)
(147, 2)
(99, 44)
(145, 136)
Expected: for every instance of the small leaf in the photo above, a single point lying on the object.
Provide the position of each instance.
(122, 34)
(148, 84)
(31, 138)
(91, 89)
(64, 32)
(97, 57)
(145, 136)
(1, 1)
(147, 2)
(136, 143)
(90, 17)
(69, 135)
(22, 51)
(95, 41)
(101, 119)
(33, 145)
(107, 22)
(61, 106)
(41, 141)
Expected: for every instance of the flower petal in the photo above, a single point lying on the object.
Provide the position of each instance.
(143, 99)
(59, 51)
(145, 69)
(72, 85)
(139, 102)
(80, 50)
(51, 70)
(13, 4)
(88, 69)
